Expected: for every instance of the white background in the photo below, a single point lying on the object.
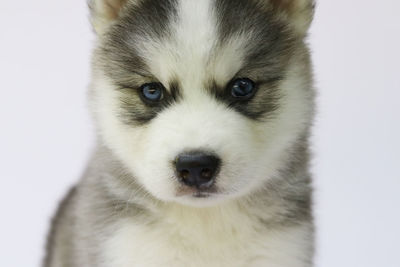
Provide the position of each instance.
(46, 134)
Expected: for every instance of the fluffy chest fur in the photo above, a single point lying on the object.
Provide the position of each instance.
(212, 238)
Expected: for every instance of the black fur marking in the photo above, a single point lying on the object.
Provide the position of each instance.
(264, 101)
(135, 110)
(122, 62)
(270, 44)
(174, 89)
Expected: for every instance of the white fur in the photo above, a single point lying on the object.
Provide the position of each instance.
(247, 222)
(212, 237)
(199, 121)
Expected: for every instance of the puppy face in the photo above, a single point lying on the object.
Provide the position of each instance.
(201, 100)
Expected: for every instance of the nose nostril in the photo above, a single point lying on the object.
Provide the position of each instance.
(184, 174)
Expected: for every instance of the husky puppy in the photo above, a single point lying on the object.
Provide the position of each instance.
(203, 110)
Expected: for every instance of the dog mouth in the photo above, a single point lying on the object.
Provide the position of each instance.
(196, 193)
(202, 195)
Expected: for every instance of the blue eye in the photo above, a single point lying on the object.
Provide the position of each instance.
(152, 91)
(243, 88)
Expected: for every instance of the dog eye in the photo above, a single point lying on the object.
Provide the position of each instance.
(242, 88)
(152, 92)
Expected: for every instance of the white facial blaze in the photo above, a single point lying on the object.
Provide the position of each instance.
(186, 51)
(191, 54)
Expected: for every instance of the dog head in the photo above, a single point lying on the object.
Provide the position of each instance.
(201, 100)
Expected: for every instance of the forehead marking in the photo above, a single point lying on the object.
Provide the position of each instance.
(186, 50)
(192, 52)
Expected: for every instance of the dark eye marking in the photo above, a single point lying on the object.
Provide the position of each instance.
(152, 93)
(254, 99)
(141, 103)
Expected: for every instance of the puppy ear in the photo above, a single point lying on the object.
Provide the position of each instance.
(298, 12)
(103, 12)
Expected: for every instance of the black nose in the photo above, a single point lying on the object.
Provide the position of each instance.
(197, 169)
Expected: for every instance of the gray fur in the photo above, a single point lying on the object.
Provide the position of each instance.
(108, 192)
(271, 44)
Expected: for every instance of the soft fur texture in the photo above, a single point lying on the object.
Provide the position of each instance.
(129, 208)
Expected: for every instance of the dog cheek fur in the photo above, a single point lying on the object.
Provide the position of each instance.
(251, 151)
(149, 150)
